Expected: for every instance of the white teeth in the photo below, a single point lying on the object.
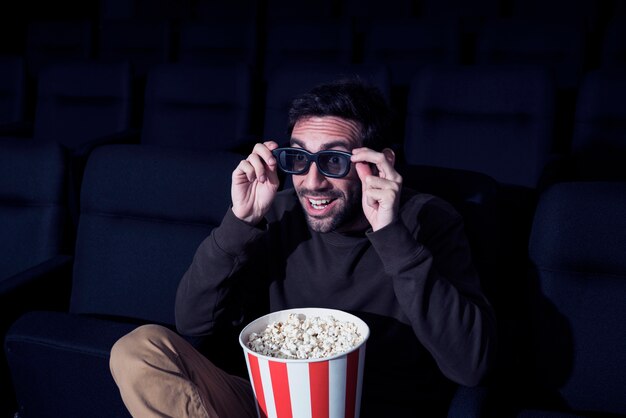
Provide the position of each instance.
(319, 204)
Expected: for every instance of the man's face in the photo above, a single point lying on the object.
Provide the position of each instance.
(329, 203)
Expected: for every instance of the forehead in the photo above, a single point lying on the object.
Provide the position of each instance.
(316, 132)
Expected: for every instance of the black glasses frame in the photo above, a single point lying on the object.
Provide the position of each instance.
(313, 158)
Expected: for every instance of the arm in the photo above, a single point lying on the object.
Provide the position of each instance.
(433, 276)
(205, 291)
(208, 286)
(439, 291)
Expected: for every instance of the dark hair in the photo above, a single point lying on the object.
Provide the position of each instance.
(351, 99)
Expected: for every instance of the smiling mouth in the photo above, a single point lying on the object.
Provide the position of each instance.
(319, 204)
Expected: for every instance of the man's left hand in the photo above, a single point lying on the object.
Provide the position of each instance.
(381, 185)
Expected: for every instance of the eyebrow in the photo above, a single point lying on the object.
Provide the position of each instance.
(325, 146)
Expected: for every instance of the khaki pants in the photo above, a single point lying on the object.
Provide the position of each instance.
(159, 374)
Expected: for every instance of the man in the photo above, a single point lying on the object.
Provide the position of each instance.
(347, 236)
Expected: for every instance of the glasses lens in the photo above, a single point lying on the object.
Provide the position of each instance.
(333, 163)
(293, 161)
(297, 161)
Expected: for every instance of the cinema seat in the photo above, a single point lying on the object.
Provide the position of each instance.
(12, 94)
(51, 42)
(288, 81)
(33, 241)
(201, 107)
(494, 120)
(578, 289)
(144, 211)
(307, 43)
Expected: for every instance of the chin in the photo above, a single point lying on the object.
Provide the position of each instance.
(321, 226)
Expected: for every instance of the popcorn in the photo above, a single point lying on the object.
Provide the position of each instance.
(305, 338)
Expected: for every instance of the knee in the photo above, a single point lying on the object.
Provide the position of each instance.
(134, 346)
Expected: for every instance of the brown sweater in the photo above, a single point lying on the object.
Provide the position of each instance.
(413, 282)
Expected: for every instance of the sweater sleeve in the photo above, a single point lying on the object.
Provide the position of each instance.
(203, 292)
(439, 291)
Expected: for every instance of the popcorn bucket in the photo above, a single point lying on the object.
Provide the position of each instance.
(328, 387)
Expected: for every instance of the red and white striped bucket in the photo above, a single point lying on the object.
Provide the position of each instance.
(306, 388)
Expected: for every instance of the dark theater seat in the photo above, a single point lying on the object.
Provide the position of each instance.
(12, 94)
(201, 107)
(33, 218)
(307, 43)
(407, 45)
(32, 204)
(598, 149)
(144, 211)
(288, 81)
(599, 140)
(142, 43)
(613, 53)
(218, 43)
(578, 289)
(491, 119)
(51, 42)
(82, 102)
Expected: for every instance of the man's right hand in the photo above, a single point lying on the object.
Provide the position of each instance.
(255, 183)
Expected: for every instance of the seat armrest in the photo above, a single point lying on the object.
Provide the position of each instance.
(60, 363)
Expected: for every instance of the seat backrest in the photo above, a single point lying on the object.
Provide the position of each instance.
(289, 81)
(364, 12)
(459, 9)
(598, 147)
(144, 44)
(406, 45)
(161, 10)
(587, 12)
(614, 44)
(32, 204)
(56, 42)
(491, 119)
(600, 120)
(211, 11)
(557, 46)
(226, 42)
(278, 11)
(577, 249)
(144, 211)
(116, 9)
(80, 102)
(308, 43)
(12, 89)
(204, 107)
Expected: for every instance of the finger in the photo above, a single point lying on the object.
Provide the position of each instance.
(384, 162)
(375, 182)
(259, 166)
(244, 172)
(370, 200)
(271, 145)
(264, 151)
(377, 198)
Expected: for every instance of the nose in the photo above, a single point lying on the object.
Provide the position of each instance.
(313, 179)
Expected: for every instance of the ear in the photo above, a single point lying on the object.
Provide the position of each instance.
(390, 155)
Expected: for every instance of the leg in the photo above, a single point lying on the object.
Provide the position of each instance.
(159, 374)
